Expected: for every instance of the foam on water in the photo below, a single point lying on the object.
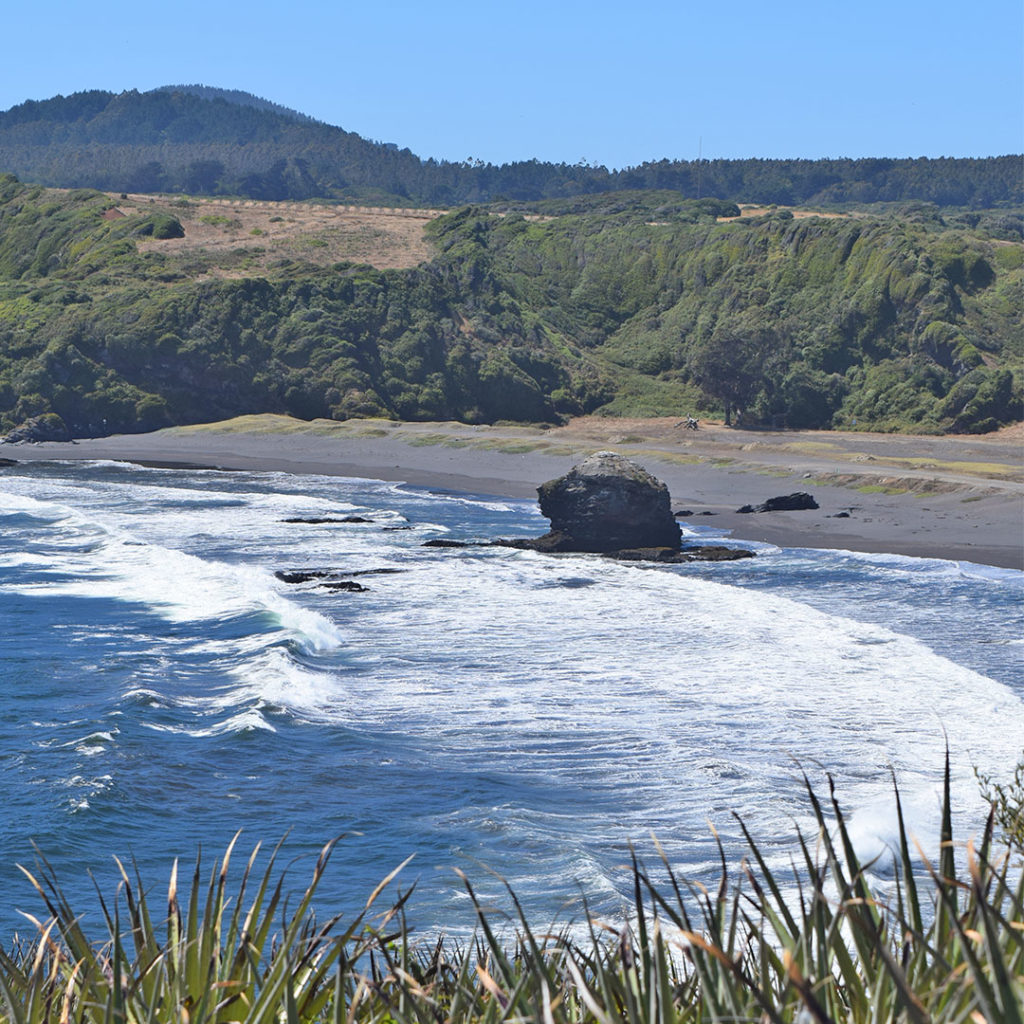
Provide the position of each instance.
(180, 586)
(535, 714)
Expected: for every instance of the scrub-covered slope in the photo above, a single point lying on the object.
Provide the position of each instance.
(630, 303)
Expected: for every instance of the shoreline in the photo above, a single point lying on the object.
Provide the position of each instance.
(961, 500)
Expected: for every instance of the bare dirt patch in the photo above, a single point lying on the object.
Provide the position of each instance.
(749, 210)
(267, 233)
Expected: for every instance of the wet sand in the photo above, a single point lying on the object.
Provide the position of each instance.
(959, 498)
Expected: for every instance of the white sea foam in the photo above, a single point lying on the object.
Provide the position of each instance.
(569, 705)
(248, 720)
(933, 567)
(647, 673)
(180, 586)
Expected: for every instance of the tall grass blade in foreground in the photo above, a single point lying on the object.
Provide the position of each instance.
(821, 942)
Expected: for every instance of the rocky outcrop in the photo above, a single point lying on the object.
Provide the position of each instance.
(320, 520)
(796, 502)
(332, 579)
(607, 503)
(48, 427)
(610, 506)
(697, 553)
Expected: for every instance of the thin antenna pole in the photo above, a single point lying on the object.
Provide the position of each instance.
(700, 150)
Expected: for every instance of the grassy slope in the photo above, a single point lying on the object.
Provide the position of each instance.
(892, 321)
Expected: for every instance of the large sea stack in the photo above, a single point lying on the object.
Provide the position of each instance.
(608, 503)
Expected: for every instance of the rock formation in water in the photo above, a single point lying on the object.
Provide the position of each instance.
(611, 506)
(608, 503)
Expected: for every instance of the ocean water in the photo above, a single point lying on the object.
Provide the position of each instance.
(500, 712)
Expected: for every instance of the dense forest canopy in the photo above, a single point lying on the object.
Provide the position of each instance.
(201, 140)
(639, 303)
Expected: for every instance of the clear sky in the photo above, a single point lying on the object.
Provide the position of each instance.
(561, 80)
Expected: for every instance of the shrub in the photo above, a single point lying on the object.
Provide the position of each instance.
(161, 226)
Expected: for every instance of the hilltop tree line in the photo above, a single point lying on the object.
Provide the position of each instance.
(191, 139)
(641, 304)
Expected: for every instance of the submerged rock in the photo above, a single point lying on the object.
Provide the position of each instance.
(699, 553)
(335, 577)
(320, 520)
(796, 502)
(607, 503)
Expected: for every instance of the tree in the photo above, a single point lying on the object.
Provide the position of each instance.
(728, 365)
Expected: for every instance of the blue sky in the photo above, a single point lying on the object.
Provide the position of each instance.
(611, 83)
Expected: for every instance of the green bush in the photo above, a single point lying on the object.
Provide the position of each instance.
(161, 226)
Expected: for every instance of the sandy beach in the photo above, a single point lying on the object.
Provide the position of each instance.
(959, 498)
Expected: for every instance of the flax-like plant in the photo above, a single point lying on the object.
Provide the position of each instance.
(942, 942)
(222, 956)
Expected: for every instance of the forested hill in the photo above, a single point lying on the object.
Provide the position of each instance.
(631, 303)
(205, 141)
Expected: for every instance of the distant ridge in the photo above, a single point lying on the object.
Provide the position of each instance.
(204, 140)
(237, 96)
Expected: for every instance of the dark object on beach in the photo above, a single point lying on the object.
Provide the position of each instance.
(607, 503)
(796, 502)
(48, 427)
(317, 520)
(839, 515)
(683, 513)
(8, 462)
(347, 585)
(442, 543)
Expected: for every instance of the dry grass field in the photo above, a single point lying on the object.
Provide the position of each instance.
(269, 232)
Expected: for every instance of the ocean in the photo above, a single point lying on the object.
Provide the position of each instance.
(508, 714)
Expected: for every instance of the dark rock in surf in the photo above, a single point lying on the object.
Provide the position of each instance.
(335, 575)
(701, 553)
(607, 503)
(319, 520)
(350, 586)
(796, 502)
(716, 553)
(301, 575)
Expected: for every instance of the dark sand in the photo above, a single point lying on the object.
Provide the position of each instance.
(959, 498)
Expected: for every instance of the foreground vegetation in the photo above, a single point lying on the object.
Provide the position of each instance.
(637, 303)
(827, 943)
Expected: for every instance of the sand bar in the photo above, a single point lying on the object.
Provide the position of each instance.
(959, 498)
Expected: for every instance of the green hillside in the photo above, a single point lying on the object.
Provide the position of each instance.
(631, 303)
(208, 141)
